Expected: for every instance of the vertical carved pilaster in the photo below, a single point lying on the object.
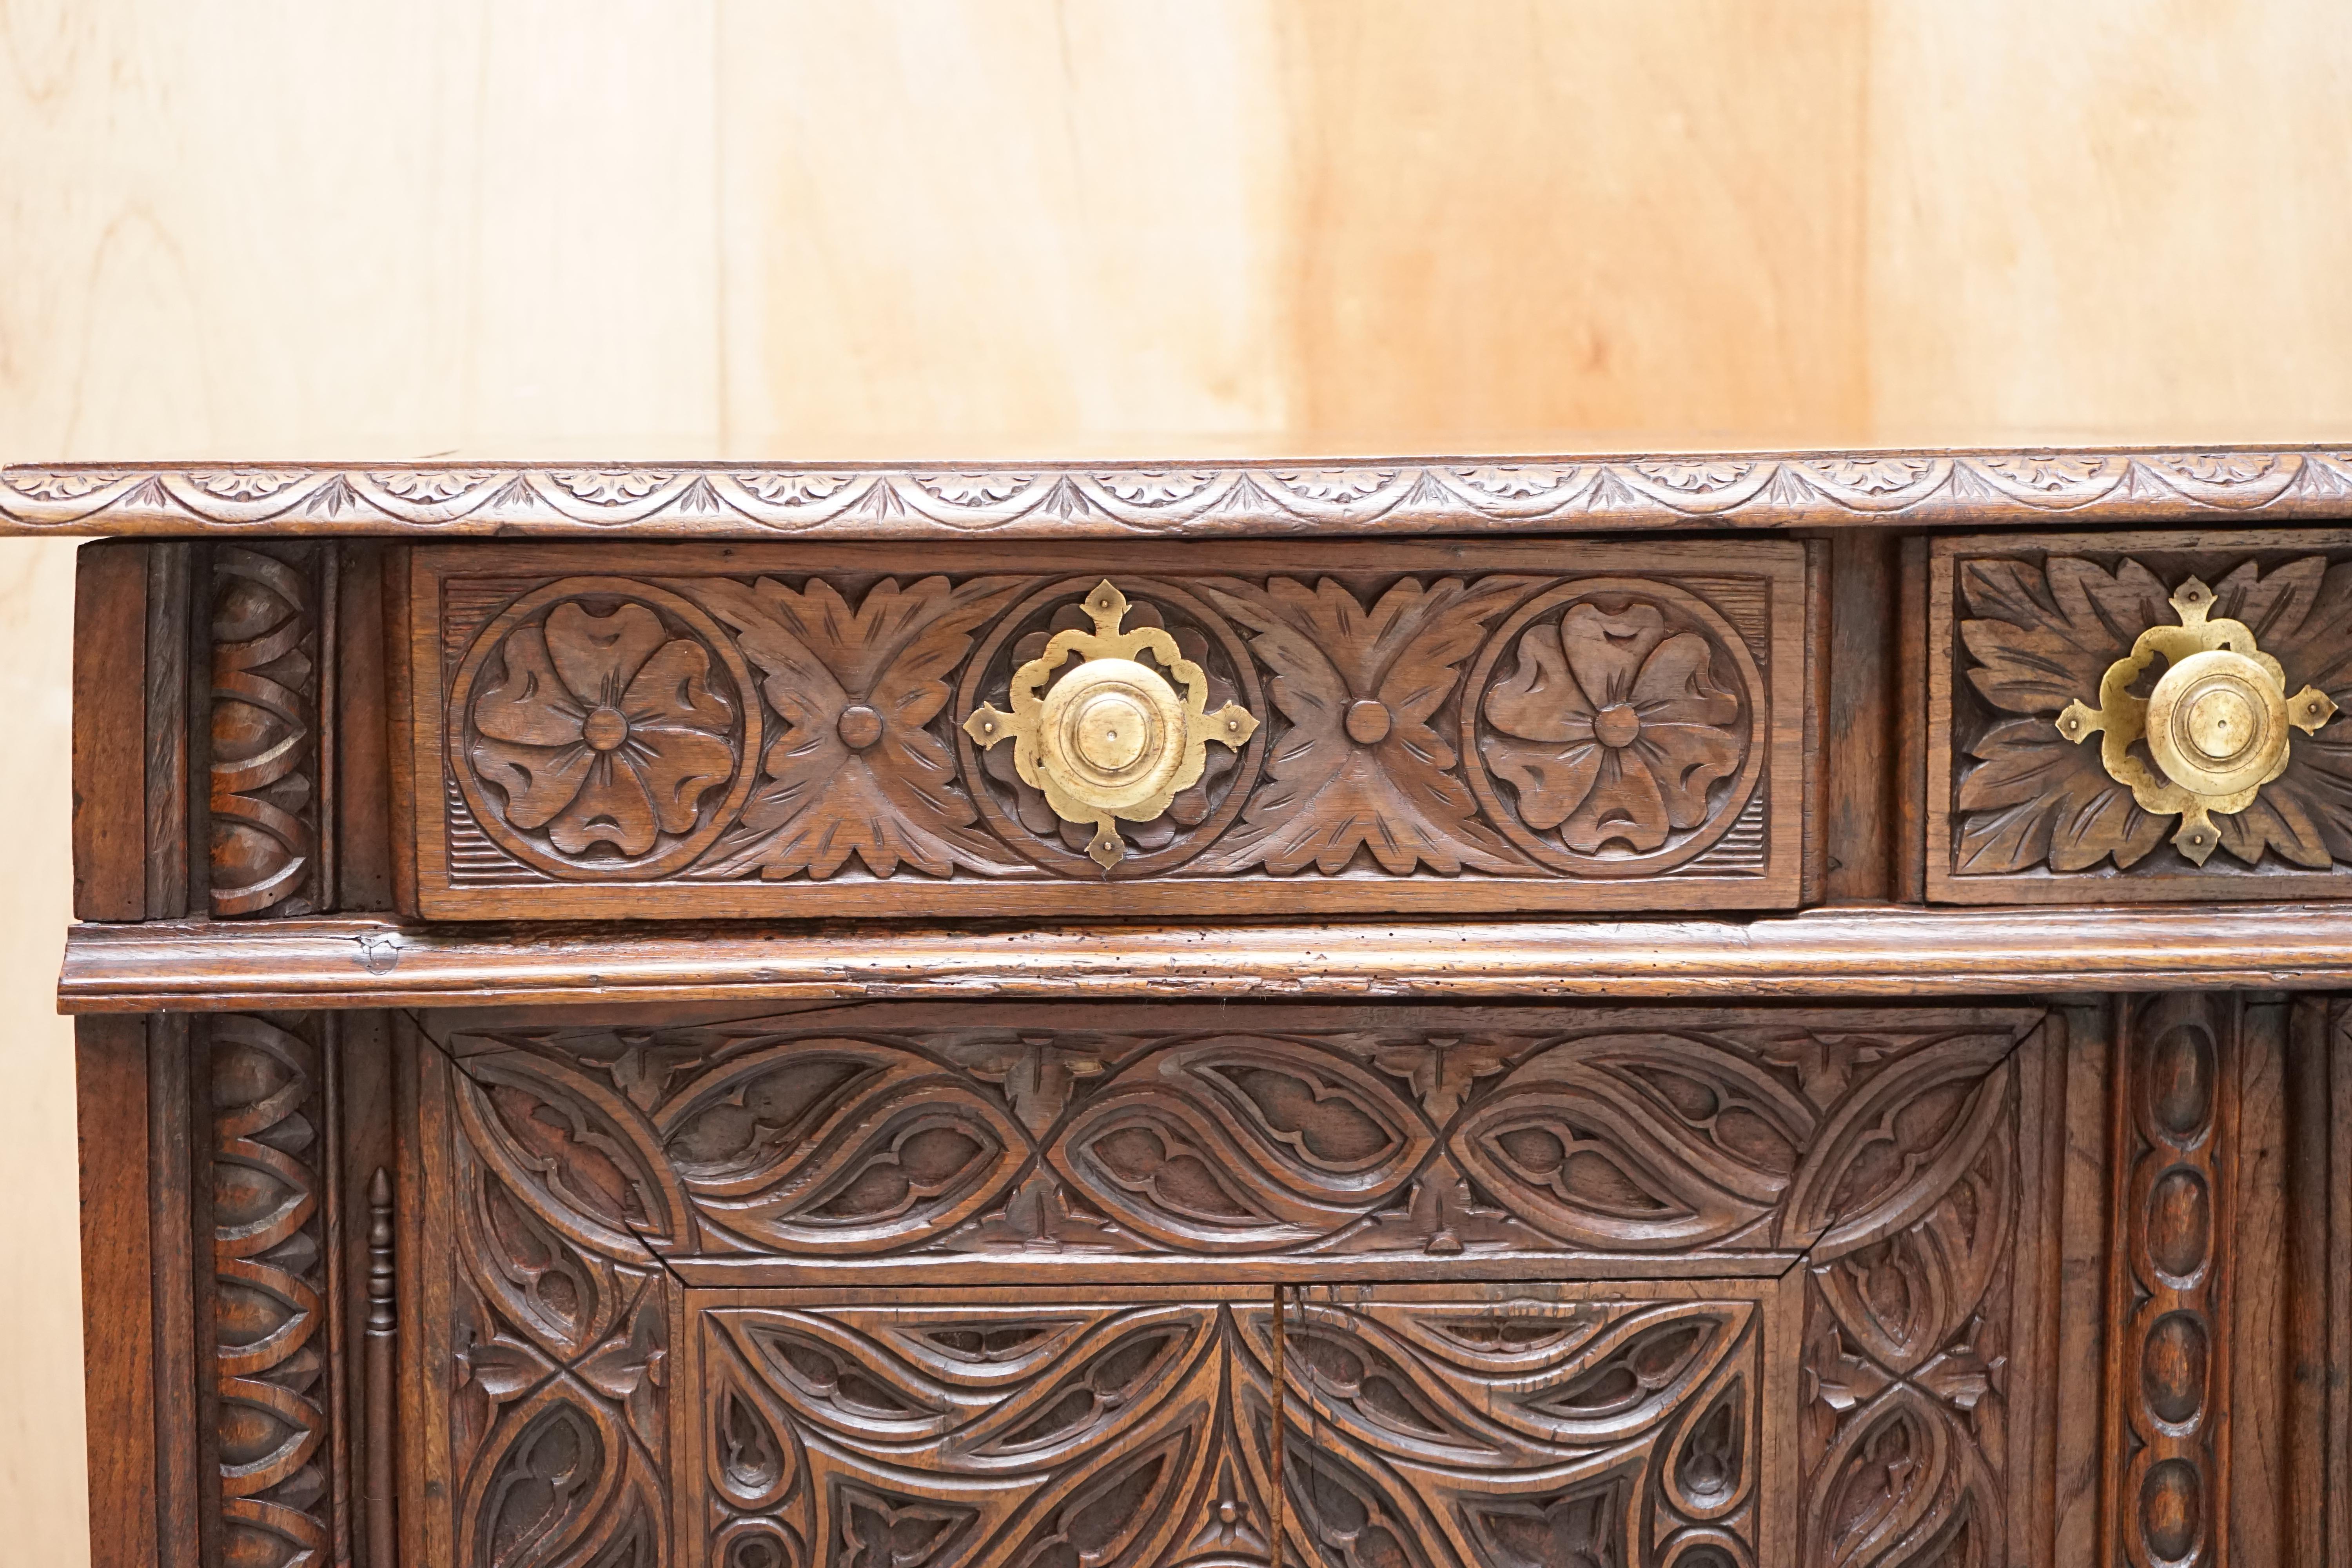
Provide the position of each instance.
(2331, 1447)
(271, 761)
(383, 1326)
(269, 1316)
(2168, 1485)
(2315, 1436)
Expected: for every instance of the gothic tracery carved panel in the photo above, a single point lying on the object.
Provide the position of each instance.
(1496, 1428)
(1452, 1426)
(838, 1179)
(935, 1431)
(1908, 1337)
(559, 1334)
(939, 1133)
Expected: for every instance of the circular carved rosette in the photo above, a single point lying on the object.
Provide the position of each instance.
(1114, 728)
(598, 727)
(1616, 727)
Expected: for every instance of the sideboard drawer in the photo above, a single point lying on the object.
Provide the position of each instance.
(2068, 763)
(1211, 728)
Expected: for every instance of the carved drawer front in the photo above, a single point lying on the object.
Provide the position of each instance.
(2142, 716)
(1135, 730)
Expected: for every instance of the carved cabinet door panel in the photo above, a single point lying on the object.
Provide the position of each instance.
(1533, 1425)
(1037, 1284)
(1013, 1428)
(1446, 1426)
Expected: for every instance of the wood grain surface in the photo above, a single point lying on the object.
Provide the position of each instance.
(1323, 228)
(1863, 951)
(691, 732)
(2021, 625)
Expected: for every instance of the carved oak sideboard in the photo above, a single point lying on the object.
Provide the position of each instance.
(1646, 1012)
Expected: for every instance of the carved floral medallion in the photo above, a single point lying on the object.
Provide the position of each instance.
(599, 728)
(1619, 728)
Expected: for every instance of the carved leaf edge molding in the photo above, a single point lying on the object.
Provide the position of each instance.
(1420, 495)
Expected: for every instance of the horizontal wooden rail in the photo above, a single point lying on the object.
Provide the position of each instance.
(1849, 952)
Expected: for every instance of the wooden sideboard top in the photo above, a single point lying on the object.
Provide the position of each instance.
(1166, 498)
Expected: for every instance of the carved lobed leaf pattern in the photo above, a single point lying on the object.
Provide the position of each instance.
(263, 728)
(831, 789)
(269, 1341)
(1534, 1131)
(1361, 768)
(713, 728)
(2039, 635)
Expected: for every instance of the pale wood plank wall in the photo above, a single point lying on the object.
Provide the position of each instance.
(704, 227)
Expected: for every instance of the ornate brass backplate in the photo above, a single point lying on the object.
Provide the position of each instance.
(1112, 738)
(2216, 722)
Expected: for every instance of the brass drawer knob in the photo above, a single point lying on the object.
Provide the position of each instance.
(2216, 722)
(1113, 737)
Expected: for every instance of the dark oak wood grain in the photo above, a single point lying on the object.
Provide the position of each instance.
(1327, 1155)
(111, 1067)
(2021, 625)
(783, 731)
(169, 706)
(109, 733)
(363, 834)
(1861, 718)
(1871, 952)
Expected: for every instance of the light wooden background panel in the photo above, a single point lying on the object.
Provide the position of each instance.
(991, 227)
